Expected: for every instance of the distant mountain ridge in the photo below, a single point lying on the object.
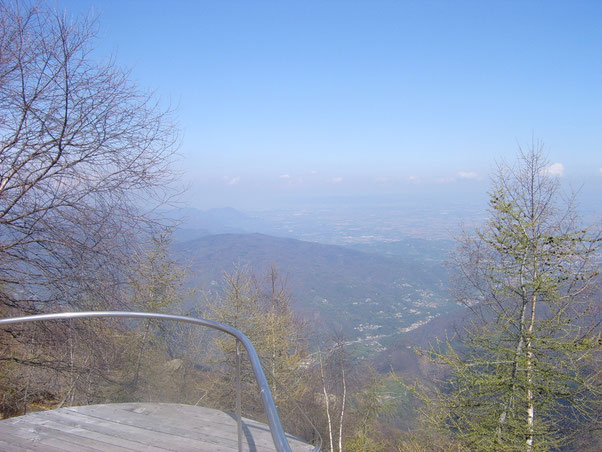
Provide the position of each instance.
(195, 223)
(364, 294)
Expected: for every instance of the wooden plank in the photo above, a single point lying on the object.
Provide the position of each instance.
(73, 442)
(80, 435)
(41, 440)
(138, 434)
(136, 426)
(176, 422)
(9, 447)
(24, 444)
(197, 419)
(106, 433)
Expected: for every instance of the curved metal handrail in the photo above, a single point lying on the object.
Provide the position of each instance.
(278, 435)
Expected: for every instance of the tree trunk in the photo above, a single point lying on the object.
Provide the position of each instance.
(139, 359)
(508, 406)
(515, 364)
(530, 401)
(342, 407)
(326, 401)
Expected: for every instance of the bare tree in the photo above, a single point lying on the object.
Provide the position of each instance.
(84, 159)
(84, 155)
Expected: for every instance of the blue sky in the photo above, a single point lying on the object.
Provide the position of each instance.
(283, 100)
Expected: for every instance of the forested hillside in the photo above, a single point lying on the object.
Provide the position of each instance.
(362, 294)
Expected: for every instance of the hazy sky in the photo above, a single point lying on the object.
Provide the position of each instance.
(282, 100)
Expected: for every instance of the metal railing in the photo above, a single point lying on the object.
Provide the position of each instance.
(278, 435)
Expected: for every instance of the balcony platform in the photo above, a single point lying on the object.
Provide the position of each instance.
(135, 426)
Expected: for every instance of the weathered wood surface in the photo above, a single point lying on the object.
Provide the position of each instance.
(135, 426)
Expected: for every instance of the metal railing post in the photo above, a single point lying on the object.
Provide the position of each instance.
(238, 397)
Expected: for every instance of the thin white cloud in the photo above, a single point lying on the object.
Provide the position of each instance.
(445, 180)
(284, 176)
(470, 175)
(381, 179)
(413, 179)
(313, 172)
(600, 170)
(555, 169)
(337, 180)
(232, 180)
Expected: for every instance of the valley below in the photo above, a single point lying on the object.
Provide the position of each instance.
(373, 292)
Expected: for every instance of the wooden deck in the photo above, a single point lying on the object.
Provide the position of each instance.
(135, 426)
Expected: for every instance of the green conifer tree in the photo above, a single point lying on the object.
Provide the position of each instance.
(525, 376)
